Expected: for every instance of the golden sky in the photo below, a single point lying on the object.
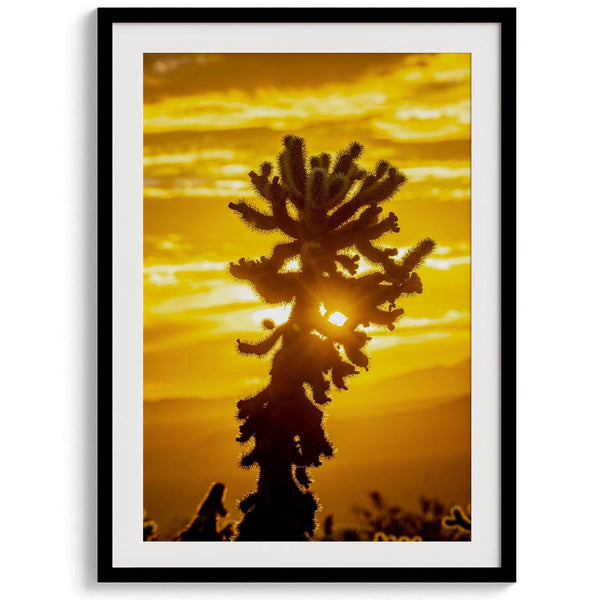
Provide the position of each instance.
(208, 121)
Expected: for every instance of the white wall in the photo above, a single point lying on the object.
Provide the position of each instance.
(47, 308)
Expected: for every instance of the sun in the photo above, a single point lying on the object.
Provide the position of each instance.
(337, 318)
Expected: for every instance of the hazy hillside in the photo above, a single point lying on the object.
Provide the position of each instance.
(404, 437)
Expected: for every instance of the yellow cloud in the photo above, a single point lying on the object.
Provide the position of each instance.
(200, 146)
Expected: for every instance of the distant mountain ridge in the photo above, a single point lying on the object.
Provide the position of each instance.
(405, 436)
(441, 381)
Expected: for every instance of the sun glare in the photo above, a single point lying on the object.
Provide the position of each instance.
(278, 314)
(337, 318)
(292, 265)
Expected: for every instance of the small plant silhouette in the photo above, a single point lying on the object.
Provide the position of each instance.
(380, 536)
(329, 210)
(150, 531)
(203, 526)
(458, 519)
(385, 523)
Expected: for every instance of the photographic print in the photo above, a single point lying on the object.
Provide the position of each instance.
(307, 288)
(309, 250)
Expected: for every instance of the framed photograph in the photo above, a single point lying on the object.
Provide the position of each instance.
(307, 295)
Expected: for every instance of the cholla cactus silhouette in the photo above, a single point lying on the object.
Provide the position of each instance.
(329, 209)
(203, 526)
(150, 529)
(458, 518)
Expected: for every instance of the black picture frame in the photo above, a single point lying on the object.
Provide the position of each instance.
(506, 17)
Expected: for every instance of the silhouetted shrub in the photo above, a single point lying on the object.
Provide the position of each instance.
(392, 523)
